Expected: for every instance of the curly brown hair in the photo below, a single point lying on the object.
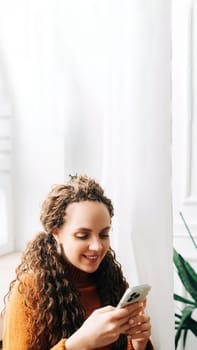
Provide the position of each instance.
(50, 291)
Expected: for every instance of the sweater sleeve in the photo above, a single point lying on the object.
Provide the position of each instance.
(15, 335)
(149, 346)
(60, 345)
(14, 325)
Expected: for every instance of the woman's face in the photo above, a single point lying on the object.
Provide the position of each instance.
(85, 234)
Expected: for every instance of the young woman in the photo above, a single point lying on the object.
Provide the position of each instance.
(68, 283)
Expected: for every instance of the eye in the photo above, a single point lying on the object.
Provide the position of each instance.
(104, 235)
(82, 236)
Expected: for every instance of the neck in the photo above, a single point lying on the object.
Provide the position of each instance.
(80, 278)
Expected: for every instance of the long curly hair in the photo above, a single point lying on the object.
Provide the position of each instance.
(43, 274)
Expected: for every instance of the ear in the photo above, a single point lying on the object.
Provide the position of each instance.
(56, 235)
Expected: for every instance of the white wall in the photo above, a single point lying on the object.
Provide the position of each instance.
(184, 87)
(6, 194)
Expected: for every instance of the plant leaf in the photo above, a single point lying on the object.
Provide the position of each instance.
(192, 325)
(183, 300)
(184, 337)
(188, 277)
(186, 316)
(188, 230)
(177, 336)
(186, 273)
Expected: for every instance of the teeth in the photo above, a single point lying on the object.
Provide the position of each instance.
(91, 257)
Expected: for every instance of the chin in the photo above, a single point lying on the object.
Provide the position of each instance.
(90, 269)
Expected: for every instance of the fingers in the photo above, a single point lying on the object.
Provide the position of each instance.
(140, 323)
(131, 318)
(140, 327)
(118, 319)
(145, 302)
(132, 309)
(128, 320)
(122, 313)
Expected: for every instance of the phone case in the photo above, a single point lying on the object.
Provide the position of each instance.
(132, 295)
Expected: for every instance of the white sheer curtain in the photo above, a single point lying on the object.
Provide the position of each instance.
(91, 84)
(6, 222)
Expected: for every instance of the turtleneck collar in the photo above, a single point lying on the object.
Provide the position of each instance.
(81, 278)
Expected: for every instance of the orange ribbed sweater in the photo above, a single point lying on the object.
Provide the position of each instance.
(15, 336)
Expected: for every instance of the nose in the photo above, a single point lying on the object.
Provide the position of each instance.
(96, 245)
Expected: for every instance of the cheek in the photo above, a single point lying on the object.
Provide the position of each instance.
(106, 246)
(72, 247)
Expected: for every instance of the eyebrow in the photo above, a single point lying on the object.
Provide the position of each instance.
(85, 229)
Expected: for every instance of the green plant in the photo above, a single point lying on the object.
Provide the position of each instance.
(184, 320)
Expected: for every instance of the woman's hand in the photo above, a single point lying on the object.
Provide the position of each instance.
(104, 326)
(140, 329)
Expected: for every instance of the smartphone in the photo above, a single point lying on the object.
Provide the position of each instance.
(134, 294)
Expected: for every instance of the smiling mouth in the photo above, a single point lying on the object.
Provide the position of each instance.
(91, 257)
